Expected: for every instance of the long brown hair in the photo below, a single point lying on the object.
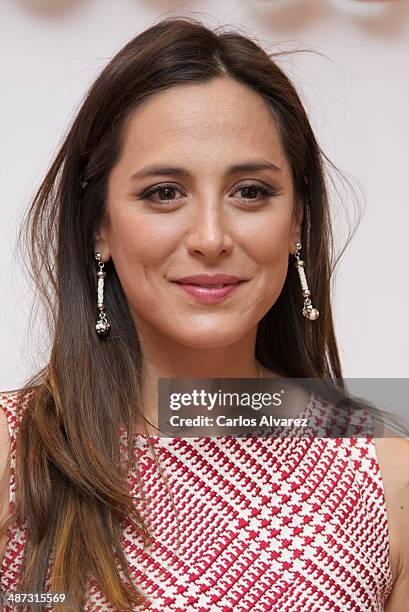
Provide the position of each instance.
(71, 484)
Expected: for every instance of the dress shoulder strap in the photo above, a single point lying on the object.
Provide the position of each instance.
(13, 404)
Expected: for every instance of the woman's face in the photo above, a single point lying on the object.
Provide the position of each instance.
(202, 186)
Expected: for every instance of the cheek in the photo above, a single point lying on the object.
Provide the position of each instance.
(141, 248)
(267, 240)
(139, 242)
(270, 251)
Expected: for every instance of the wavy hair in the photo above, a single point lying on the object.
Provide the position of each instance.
(71, 479)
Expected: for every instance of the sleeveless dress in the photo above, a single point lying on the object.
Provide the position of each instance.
(288, 524)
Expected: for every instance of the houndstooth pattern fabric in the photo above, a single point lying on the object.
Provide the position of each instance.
(286, 524)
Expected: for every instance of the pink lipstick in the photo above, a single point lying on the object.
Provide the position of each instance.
(208, 288)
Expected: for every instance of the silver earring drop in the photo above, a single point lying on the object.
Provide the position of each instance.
(308, 310)
(102, 326)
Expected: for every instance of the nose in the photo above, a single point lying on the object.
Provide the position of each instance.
(209, 232)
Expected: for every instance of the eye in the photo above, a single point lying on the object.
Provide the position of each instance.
(168, 193)
(166, 190)
(254, 188)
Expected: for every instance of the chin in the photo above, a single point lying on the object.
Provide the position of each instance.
(205, 339)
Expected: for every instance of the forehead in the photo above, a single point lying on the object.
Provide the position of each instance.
(202, 123)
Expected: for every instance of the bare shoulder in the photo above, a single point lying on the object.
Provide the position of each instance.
(393, 457)
(4, 473)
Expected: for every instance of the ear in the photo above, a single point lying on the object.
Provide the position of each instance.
(296, 224)
(101, 242)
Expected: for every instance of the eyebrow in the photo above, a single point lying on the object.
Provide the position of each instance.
(245, 166)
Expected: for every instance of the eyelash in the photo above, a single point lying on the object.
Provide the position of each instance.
(266, 192)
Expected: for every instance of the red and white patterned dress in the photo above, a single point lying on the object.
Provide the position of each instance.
(287, 524)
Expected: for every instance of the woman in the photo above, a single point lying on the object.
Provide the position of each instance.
(191, 156)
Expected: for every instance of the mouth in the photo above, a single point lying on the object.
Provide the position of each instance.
(209, 285)
(209, 292)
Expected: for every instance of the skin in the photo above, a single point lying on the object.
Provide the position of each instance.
(210, 228)
(204, 224)
(393, 457)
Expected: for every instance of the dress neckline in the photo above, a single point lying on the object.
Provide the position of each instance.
(306, 412)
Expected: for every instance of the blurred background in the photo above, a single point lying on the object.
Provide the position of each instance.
(356, 92)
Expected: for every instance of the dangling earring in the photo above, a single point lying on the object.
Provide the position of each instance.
(102, 326)
(308, 310)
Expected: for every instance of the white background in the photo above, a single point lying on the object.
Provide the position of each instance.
(357, 97)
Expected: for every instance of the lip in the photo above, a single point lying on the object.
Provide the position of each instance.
(208, 295)
(210, 279)
(194, 286)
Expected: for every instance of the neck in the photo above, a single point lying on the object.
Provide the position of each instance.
(165, 358)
